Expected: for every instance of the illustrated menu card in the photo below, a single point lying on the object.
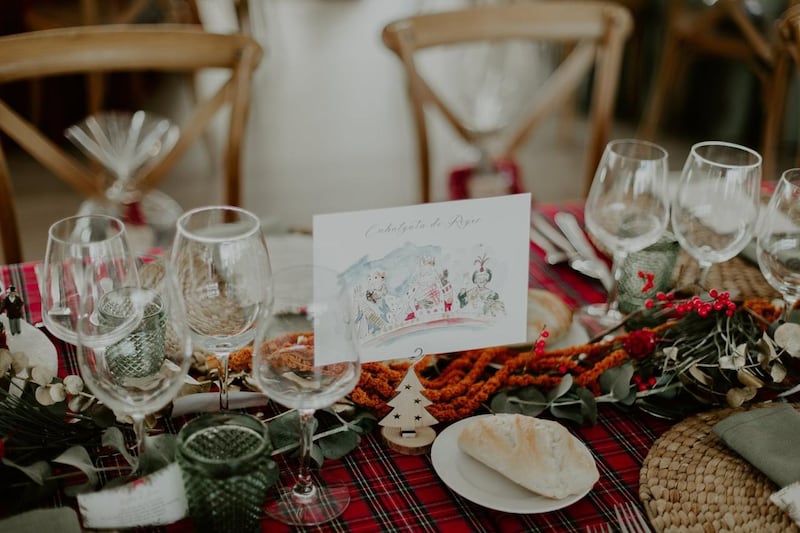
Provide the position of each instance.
(430, 278)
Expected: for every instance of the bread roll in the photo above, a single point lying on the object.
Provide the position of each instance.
(545, 309)
(540, 455)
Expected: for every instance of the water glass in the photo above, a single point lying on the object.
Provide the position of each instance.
(227, 470)
(141, 353)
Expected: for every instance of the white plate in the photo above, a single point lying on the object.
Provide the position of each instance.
(480, 484)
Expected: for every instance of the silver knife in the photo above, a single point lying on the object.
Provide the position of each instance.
(572, 230)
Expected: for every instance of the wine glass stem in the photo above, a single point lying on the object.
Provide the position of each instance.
(140, 432)
(304, 488)
(704, 268)
(616, 272)
(223, 380)
(788, 305)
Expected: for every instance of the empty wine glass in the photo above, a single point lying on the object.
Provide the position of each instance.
(225, 276)
(86, 257)
(715, 209)
(778, 240)
(137, 372)
(288, 365)
(627, 210)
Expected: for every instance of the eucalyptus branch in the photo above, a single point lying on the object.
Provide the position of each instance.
(333, 431)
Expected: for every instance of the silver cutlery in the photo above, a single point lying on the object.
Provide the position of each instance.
(549, 239)
(552, 255)
(630, 519)
(554, 235)
(569, 225)
(599, 529)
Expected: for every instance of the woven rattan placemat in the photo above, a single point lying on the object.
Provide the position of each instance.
(738, 275)
(691, 481)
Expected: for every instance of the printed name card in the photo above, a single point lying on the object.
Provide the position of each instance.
(430, 278)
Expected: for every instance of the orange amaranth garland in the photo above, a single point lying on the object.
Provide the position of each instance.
(471, 378)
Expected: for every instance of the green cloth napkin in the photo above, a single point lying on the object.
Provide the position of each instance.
(61, 519)
(768, 438)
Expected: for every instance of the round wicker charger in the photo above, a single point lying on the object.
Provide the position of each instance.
(737, 275)
(691, 481)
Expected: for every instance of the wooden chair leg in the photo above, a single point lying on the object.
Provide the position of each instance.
(664, 81)
(775, 94)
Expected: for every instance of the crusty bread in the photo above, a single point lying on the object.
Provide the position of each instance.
(541, 455)
(545, 309)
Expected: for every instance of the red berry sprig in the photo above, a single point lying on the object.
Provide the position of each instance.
(649, 280)
(538, 346)
(721, 302)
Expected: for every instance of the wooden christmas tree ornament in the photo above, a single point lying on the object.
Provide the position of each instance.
(406, 429)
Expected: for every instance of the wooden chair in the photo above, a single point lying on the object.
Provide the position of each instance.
(787, 59)
(40, 15)
(159, 48)
(722, 30)
(594, 33)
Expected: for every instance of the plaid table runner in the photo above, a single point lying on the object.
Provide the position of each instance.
(394, 492)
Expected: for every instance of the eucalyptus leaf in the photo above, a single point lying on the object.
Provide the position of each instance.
(363, 422)
(588, 404)
(608, 378)
(512, 402)
(621, 389)
(570, 412)
(501, 403)
(38, 471)
(285, 431)
(159, 450)
(562, 388)
(78, 457)
(339, 444)
(113, 438)
(317, 455)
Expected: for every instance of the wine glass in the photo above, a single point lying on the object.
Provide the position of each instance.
(627, 210)
(715, 209)
(290, 367)
(225, 276)
(136, 372)
(778, 240)
(86, 257)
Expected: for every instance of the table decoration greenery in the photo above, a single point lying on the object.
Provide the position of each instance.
(679, 354)
(53, 432)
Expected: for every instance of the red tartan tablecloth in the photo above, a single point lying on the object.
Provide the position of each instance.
(394, 492)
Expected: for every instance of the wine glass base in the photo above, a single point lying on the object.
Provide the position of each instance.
(598, 319)
(326, 503)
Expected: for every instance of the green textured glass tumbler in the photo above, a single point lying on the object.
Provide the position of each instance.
(658, 259)
(227, 470)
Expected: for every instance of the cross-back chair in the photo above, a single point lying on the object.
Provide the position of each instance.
(787, 60)
(115, 48)
(593, 35)
(724, 30)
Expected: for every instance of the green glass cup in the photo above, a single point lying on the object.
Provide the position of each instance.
(227, 470)
(658, 259)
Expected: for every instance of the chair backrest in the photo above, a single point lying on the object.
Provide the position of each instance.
(592, 32)
(786, 59)
(116, 48)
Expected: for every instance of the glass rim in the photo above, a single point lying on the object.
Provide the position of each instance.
(794, 182)
(658, 148)
(180, 225)
(119, 225)
(726, 144)
(210, 421)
